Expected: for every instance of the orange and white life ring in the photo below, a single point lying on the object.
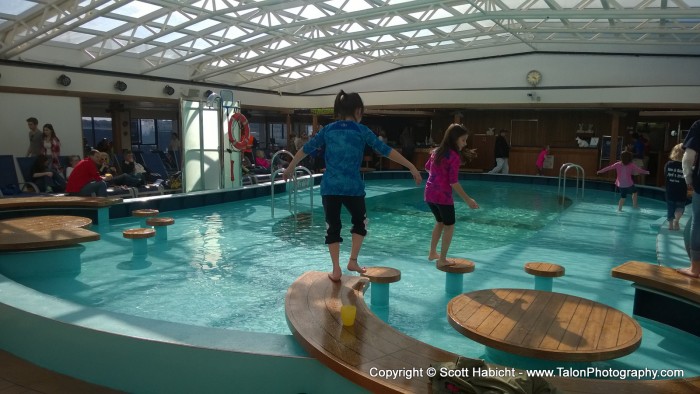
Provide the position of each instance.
(242, 143)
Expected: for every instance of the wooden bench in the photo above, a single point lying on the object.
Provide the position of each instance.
(662, 294)
(544, 274)
(380, 278)
(313, 305)
(101, 204)
(41, 232)
(454, 274)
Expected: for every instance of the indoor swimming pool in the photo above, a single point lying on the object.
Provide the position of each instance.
(228, 265)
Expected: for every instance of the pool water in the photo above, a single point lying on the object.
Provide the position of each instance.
(229, 265)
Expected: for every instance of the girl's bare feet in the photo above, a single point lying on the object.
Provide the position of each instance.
(353, 266)
(688, 272)
(334, 279)
(444, 263)
(433, 256)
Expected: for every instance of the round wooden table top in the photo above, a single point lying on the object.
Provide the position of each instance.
(460, 266)
(159, 221)
(382, 274)
(144, 212)
(543, 324)
(549, 270)
(42, 223)
(139, 233)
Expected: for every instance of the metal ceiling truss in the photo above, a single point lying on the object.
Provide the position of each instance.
(275, 43)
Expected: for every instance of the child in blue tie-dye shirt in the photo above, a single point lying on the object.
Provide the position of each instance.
(343, 143)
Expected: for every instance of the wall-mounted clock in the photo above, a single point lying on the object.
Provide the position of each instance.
(533, 77)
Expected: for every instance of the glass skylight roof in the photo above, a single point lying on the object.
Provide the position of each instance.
(272, 44)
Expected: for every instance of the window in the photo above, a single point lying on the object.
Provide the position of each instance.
(96, 129)
(150, 134)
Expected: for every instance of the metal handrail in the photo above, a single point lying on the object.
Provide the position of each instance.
(295, 189)
(561, 181)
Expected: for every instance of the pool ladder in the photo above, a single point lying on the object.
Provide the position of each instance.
(291, 194)
(580, 177)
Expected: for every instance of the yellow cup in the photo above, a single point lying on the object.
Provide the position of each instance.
(347, 314)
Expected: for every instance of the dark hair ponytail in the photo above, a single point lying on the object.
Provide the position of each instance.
(449, 140)
(346, 104)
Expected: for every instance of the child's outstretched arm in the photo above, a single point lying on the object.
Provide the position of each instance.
(398, 157)
(300, 155)
(470, 201)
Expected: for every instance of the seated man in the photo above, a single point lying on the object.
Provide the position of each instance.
(85, 179)
(134, 173)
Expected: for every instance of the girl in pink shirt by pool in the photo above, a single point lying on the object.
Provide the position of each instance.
(443, 167)
(625, 168)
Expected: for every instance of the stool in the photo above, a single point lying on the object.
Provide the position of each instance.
(139, 237)
(161, 227)
(544, 274)
(454, 277)
(380, 277)
(144, 213)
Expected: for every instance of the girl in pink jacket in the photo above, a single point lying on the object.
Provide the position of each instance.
(625, 169)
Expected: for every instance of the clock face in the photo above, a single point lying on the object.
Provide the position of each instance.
(534, 77)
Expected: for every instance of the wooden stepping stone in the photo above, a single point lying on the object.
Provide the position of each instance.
(380, 278)
(139, 236)
(544, 274)
(144, 214)
(454, 277)
(160, 224)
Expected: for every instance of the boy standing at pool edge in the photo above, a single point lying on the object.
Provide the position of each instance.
(344, 143)
(443, 168)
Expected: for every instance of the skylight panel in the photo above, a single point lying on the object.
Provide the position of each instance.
(447, 29)
(349, 60)
(395, 21)
(170, 37)
(255, 37)
(354, 28)
(205, 24)
(173, 19)
(356, 5)
(198, 44)
(234, 32)
(320, 54)
(71, 37)
(418, 15)
(424, 33)
(102, 24)
(16, 7)
(140, 32)
(140, 48)
(539, 5)
(312, 12)
(224, 48)
(464, 27)
(439, 14)
(569, 4)
(136, 9)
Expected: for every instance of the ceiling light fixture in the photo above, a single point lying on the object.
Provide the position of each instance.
(63, 80)
(120, 86)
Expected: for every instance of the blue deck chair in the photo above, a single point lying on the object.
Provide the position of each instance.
(10, 185)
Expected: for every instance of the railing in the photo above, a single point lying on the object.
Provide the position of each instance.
(580, 177)
(295, 187)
